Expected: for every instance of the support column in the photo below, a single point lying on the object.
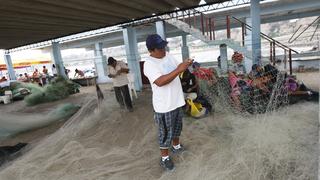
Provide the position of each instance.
(256, 22)
(248, 44)
(57, 58)
(11, 72)
(100, 64)
(224, 58)
(133, 57)
(184, 48)
(161, 30)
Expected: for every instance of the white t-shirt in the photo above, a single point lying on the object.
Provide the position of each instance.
(54, 71)
(170, 96)
(119, 80)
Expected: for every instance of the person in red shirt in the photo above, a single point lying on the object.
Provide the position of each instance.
(202, 73)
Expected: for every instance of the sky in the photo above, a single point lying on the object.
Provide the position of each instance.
(26, 55)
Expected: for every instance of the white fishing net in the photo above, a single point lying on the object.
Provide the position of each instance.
(110, 143)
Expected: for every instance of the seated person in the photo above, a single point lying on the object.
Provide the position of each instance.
(21, 78)
(26, 77)
(191, 89)
(201, 73)
(238, 67)
(215, 76)
(258, 79)
(78, 73)
(241, 92)
(235, 90)
(271, 72)
(260, 83)
(256, 71)
(189, 82)
(298, 91)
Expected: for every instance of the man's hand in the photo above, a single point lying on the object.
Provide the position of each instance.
(184, 65)
(165, 79)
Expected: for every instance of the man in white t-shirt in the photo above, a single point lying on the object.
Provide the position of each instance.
(163, 72)
(118, 71)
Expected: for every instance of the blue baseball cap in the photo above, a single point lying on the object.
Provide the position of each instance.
(154, 41)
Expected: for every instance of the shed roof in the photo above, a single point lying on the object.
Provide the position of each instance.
(24, 22)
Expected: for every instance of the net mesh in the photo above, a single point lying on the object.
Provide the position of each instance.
(56, 90)
(256, 95)
(231, 143)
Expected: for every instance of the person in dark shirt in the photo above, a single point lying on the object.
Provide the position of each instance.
(189, 82)
(190, 85)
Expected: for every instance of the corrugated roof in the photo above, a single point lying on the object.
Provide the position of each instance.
(24, 22)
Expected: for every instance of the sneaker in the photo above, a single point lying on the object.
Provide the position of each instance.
(177, 151)
(167, 164)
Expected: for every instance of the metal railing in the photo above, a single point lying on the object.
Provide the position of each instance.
(206, 25)
(273, 44)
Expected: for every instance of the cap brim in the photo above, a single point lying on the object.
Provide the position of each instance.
(162, 45)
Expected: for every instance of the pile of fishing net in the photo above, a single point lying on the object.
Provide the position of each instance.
(59, 88)
(12, 124)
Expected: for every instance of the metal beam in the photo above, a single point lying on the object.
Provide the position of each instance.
(306, 6)
(270, 8)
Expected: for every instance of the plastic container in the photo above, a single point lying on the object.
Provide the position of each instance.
(8, 93)
(6, 99)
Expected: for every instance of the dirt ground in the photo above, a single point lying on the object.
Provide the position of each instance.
(112, 143)
(20, 108)
(311, 79)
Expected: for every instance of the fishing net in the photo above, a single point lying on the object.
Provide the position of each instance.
(254, 95)
(57, 89)
(278, 142)
(266, 141)
(12, 124)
